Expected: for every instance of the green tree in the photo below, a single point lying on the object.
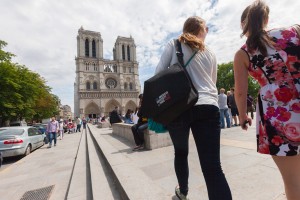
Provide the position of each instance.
(46, 106)
(225, 76)
(10, 99)
(23, 94)
(226, 79)
(4, 56)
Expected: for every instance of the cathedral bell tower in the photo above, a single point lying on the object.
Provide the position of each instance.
(102, 84)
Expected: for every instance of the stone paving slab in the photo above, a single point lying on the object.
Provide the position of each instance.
(251, 176)
(43, 167)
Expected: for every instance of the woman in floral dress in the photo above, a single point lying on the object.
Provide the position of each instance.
(273, 59)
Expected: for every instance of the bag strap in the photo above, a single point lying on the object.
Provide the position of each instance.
(188, 62)
(180, 54)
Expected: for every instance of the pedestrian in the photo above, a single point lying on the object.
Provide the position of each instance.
(139, 128)
(233, 107)
(229, 108)
(222, 101)
(70, 126)
(115, 116)
(61, 128)
(204, 118)
(127, 118)
(250, 107)
(273, 59)
(52, 130)
(74, 125)
(84, 122)
(103, 119)
(78, 122)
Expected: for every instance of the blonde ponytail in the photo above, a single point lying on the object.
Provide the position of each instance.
(193, 41)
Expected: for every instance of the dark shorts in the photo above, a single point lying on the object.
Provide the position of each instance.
(234, 112)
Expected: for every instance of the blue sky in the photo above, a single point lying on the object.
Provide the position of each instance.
(42, 33)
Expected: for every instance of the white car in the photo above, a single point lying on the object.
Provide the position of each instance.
(15, 141)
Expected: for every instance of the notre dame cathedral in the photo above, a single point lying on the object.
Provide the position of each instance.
(102, 84)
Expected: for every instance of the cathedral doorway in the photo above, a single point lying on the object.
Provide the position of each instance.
(110, 106)
(92, 110)
(130, 105)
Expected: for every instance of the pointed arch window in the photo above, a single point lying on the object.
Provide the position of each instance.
(123, 52)
(95, 85)
(87, 67)
(87, 48)
(95, 67)
(125, 86)
(93, 49)
(88, 85)
(128, 52)
(130, 86)
(115, 67)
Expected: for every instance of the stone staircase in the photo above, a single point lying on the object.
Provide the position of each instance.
(91, 176)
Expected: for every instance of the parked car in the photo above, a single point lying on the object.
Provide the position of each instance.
(42, 128)
(18, 123)
(15, 141)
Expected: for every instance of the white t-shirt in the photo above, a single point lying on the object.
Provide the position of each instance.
(135, 118)
(202, 70)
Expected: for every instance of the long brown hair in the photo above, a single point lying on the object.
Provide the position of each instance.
(244, 14)
(191, 28)
(253, 26)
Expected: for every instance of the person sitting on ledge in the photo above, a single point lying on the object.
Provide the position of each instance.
(138, 129)
(115, 116)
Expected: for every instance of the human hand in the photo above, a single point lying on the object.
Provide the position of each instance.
(245, 121)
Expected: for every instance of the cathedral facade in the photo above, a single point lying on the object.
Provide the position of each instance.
(102, 84)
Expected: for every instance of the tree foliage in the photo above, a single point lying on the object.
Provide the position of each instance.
(23, 94)
(225, 76)
(226, 79)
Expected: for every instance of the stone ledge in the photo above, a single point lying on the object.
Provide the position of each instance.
(103, 125)
(152, 140)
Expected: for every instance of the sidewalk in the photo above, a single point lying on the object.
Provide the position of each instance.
(251, 176)
(143, 175)
(42, 168)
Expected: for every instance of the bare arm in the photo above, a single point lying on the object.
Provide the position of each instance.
(240, 66)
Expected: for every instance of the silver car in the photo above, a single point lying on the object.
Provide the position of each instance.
(16, 141)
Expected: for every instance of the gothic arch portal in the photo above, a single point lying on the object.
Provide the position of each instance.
(110, 106)
(130, 105)
(92, 110)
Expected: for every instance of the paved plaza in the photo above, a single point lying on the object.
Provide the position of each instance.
(147, 174)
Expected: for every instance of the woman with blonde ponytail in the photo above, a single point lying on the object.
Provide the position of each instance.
(204, 118)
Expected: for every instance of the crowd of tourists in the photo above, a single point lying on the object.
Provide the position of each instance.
(60, 126)
(228, 108)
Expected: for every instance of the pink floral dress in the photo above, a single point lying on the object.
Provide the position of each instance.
(278, 108)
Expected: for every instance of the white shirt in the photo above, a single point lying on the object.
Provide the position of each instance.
(135, 118)
(202, 70)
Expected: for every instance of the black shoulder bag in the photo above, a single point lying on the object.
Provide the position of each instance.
(170, 92)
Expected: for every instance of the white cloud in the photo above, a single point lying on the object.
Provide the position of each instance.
(43, 33)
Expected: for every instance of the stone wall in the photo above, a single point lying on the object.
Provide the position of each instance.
(152, 140)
